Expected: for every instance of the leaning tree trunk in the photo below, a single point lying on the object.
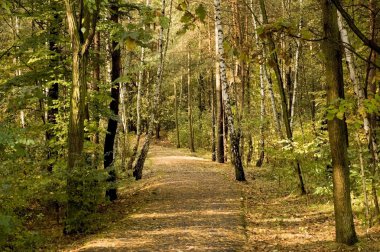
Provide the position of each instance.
(234, 136)
(344, 225)
(138, 112)
(138, 168)
(109, 142)
(280, 84)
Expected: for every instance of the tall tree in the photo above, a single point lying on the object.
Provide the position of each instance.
(190, 104)
(81, 20)
(233, 132)
(109, 142)
(219, 110)
(53, 90)
(138, 168)
(344, 224)
(280, 84)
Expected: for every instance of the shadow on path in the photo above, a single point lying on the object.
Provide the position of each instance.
(192, 205)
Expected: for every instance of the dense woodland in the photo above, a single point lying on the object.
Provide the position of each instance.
(87, 85)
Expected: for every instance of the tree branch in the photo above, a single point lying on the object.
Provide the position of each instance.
(368, 42)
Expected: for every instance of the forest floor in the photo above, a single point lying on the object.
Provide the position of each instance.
(187, 203)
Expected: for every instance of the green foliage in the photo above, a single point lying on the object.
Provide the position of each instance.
(190, 18)
(338, 109)
(201, 12)
(86, 187)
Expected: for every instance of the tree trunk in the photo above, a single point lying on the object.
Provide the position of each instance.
(138, 168)
(296, 68)
(234, 136)
(95, 84)
(81, 40)
(213, 114)
(344, 225)
(276, 116)
(219, 110)
(261, 152)
(285, 114)
(373, 118)
(190, 106)
(276, 68)
(109, 142)
(138, 106)
(53, 89)
(360, 98)
(176, 115)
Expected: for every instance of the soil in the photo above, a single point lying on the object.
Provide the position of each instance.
(185, 202)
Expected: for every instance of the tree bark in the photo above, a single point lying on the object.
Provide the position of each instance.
(360, 98)
(372, 85)
(138, 168)
(176, 115)
(213, 114)
(189, 105)
(285, 114)
(296, 68)
(53, 90)
(219, 110)
(234, 136)
(81, 40)
(261, 152)
(109, 142)
(344, 225)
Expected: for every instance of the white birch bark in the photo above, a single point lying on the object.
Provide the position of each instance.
(234, 138)
(296, 67)
(262, 97)
(360, 97)
(137, 173)
(267, 78)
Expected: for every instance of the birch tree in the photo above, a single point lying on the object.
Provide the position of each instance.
(233, 133)
(138, 168)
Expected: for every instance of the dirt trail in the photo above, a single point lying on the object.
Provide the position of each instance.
(189, 204)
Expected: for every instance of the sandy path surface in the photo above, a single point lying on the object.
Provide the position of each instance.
(188, 204)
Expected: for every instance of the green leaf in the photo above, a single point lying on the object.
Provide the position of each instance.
(130, 44)
(182, 6)
(164, 22)
(187, 17)
(124, 78)
(201, 12)
(5, 6)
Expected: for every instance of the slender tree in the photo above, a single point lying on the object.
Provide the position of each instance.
(138, 168)
(344, 225)
(109, 142)
(219, 111)
(189, 104)
(280, 84)
(234, 134)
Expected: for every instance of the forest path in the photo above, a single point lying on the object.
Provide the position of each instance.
(186, 203)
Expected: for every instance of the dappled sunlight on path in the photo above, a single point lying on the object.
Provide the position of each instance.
(192, 204)
(187, 203)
